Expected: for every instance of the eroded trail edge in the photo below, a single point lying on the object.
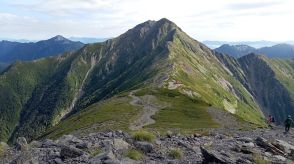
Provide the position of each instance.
(149, 110)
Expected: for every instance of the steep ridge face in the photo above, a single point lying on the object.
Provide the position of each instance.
(198, 73)
(155, 55)
(129, 60)
(269, 80)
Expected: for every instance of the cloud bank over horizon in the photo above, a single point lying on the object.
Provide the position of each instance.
(230, 20)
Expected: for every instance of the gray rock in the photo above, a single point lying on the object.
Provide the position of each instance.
(112, 161)
(280, 158)
(248, 144)
(58, 161)
(49, 144)
(102, 157)
(108, 144)
(158, 142)
(21, 144)
(25, 158)
(268, 154)
(247, 150)
(245, 139)
(128, 161)
(146, 147)
(212, 156)
(35, 144)
(268, 146)
(70, 152)
(82, 145)
(284, 146)
(120, 144)
(69, 140)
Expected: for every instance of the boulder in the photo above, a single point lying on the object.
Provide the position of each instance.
(108, 144)
(21, 144)
(246, 150)
(212, 156)
(280, 158)
(35, 144)
(120, 144)
(49, 144)
(145, 147)
(58, 161)
(70, 152)
(248, 144)
(284, 146)
(102, 157)
(83, 145)
(268, 146)
(70, 140)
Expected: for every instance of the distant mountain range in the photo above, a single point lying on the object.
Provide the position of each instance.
(14, 51)
(276, 51)
(86, 40)
(255, 44)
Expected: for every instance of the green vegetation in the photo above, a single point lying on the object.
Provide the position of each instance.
(143, 136)
(258, 159)
(114, 114)
(213, 84)
(17, 85)
(1, 150)
(175, 153)
(182, 113)
(37, 95)
(134, 154)
(95, 152)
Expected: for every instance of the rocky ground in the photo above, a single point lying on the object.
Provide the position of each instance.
(257, 146)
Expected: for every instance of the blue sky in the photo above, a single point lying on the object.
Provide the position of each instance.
(230, 20)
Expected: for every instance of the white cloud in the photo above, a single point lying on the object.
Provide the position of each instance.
(210, 19)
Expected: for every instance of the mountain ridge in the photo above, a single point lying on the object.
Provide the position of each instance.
(276, 51)
(168, 68)
(12, 51)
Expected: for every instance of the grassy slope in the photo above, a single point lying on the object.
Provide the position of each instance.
(183, 114)
(191, 69)
(114, 113)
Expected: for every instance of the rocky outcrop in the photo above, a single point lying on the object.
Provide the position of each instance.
(113, 147)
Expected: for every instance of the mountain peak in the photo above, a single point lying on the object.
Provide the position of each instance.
(165, 20)
(59, 38)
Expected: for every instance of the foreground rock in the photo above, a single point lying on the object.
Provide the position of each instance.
(114, 147)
